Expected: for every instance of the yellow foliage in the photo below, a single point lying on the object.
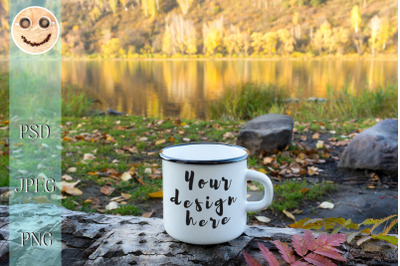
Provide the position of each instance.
(75, 28)
(150, 7)
(179, 36)
(287, 41)
(257, 42)
(185, 5)
(270, 40)
(112, 48)
(213, 35)
(355, 18)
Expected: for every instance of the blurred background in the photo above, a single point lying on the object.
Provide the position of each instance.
(171, 57)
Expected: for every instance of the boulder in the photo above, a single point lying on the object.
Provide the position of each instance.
(113, 112)
(373, 149)
(266, 133)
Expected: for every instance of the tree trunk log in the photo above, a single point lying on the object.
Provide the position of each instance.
(97, 239)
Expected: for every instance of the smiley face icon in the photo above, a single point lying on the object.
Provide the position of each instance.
(35, 30)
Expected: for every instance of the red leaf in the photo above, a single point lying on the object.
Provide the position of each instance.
(309, 239)
(318, 260)
(335, 240)
(268, 255)
(300, 263)
(249, 259)
(299, 245)
(329, 253)
(322, 240)
(286, 251)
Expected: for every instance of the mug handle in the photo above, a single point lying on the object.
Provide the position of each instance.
(252, 206)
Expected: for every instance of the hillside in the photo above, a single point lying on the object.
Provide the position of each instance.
(127, 28)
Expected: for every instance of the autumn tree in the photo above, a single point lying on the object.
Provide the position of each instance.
(185, 5)
(112, 48)
(375, 27)
(179, 36)
(358, 36)
(213, 33)
(257, 42)
(286, 41)
(113, 5)
(270, 40)
(386, 31)
(341, 37)
(150, 7)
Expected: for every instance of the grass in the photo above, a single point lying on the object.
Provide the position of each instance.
(290, 195)
(108, 138)
(74, 102)
(251, 100)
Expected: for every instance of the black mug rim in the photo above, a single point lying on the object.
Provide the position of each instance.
(204, 162)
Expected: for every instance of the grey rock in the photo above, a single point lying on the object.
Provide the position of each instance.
(113, 112)
(373, 149)
(98, 239)
(267, 132)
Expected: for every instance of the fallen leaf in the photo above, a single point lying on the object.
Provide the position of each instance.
(303, 137)
(66, 178)
(156, 195)
(147, 214)
(262, 170)
(130, 149)
(171, 139)
(142, 139)
(263, 219)
(71, 170)
(289, 215)
(107, 190)
(326, 205)
(312, 170)
(147, 171)
(126, 196)
(320, 144)
(126, 176)
(41, 199)
(186, 139)
(159, 142)
(93, 173)
(252, 187)
(228, 135)
(70, 188)
(315, 136)
(88, 157)
(268, 160)
(111, 206)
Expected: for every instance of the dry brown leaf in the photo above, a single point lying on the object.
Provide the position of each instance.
(228, 135)
(147, 214)
(126, 196)
(130, 149)
(107, 190)
(156, 195)
(111, 206)
(70, 188)
(315, 136)
(263, 219)
(320, 144)
(88, 157)
(252, 187)
(303, 137)
(326, 205)
(186, 139)
(72, 170)
(66, 178)
(289, 215)
(126, 176)
(268, 160)
(159, 142)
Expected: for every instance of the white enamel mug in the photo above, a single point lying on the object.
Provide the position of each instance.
(205, 192)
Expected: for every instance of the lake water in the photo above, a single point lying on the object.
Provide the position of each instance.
(183, 88)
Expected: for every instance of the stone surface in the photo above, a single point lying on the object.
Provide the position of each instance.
(97, 239)
(267, 132)
(374, 149)
(113, 112)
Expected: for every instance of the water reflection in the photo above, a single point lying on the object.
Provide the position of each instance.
(183, 87)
